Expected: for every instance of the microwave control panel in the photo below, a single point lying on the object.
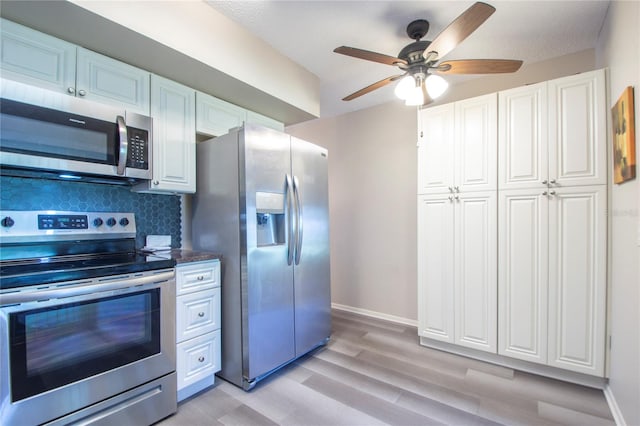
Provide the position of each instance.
(138, 156)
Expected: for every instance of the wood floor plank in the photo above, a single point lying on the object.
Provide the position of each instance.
(374, 372)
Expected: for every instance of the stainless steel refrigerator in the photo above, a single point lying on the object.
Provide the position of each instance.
(262, 203)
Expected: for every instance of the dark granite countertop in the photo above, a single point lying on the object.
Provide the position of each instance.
(186, 256)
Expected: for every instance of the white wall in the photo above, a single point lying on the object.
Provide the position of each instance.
(372, 193)
(619, 50)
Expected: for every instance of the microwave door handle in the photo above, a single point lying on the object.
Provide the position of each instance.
(124, 145)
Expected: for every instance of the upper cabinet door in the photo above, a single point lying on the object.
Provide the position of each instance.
(108, 81)
(32, 57)
(577, 129)
(476, 144)
(523, 155)
(174, 136)
(436, 150)
(214, 117)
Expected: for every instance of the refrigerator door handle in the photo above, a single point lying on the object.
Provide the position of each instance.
(296, 191)
(290, 230)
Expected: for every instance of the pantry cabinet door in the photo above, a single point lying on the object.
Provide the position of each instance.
(577, 130)
(436, 150)
(476, 163)
(475, 270)
(435, 267)
(522, 274)
(522, 137)
(577, 279)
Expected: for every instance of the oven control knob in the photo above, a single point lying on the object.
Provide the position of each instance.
(111, 221)
(98, 221)
(7, 222)
(124, 221)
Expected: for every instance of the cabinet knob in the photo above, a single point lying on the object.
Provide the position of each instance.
(457, 197)
(544, 193)
(552, 181)
(71, 90)
(155, 182)
(552, 193)
(544, 182)
(201, 359)
(456, 188)
(450, 189)
(450, 198)
(200, 314)
(200, 278)
(81, 92)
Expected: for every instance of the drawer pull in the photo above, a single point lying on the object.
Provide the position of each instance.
(201, 359)
(200, 278)
(200, 314)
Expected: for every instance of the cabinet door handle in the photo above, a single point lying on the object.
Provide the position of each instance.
(81, 92)
(201, 359)
(200, 314)
(71, 90)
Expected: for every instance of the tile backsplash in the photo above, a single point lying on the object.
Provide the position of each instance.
(155, 214)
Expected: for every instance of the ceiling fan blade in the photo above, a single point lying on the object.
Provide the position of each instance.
(458, 30)
(372, 87)
(478, 66)
(369, 56)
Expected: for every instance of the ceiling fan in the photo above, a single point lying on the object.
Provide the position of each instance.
(421, 59)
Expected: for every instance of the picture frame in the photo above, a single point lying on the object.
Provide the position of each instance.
(624, 139)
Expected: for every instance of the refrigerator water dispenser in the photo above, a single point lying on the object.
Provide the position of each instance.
(270, 223)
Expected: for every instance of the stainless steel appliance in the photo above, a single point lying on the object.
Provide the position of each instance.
(262, 203)
(87, 325)
(61, 135)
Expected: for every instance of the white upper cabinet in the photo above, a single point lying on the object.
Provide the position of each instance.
(263, 120)
(554, 133)
(108, 81)
(174, 136)
(578, 130)
(38, 59)
(523, 152)
(32, 57)
(214, 117)
(457, 146)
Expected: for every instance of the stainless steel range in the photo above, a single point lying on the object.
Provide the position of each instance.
(87, 324)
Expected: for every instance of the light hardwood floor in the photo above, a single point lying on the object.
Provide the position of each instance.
(374, 372)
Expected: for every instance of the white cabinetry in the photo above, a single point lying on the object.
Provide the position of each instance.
(174, 136)
(552, 223)
(197, 326)
(457, 223)
(38, 59)
(214, 117)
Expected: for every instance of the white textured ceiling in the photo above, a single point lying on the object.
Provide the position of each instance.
(308, 31)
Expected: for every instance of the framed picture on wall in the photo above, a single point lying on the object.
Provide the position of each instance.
(624, 138)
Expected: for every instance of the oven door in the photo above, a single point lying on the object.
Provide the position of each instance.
(71, 346)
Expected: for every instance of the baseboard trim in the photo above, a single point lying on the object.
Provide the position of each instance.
(613, 406)
(374, 314)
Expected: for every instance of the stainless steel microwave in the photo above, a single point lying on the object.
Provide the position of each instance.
(42, 130)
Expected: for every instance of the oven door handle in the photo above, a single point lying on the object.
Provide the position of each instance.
(83, 289)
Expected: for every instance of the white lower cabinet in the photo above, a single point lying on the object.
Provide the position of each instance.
(552, 279)
(197, 326)
(457, 269)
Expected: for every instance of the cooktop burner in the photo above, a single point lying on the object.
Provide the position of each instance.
(44, 247)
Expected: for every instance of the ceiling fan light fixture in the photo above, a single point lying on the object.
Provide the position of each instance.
(436, 86)
(404, 87)
(416, 94)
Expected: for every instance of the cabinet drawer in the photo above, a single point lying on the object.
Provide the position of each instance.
(197, 313)
(197, 276)
(198, 358)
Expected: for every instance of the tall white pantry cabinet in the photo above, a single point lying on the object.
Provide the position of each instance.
(546, 303)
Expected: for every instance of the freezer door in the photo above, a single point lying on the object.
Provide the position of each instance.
(267, 282)
(311, 260)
